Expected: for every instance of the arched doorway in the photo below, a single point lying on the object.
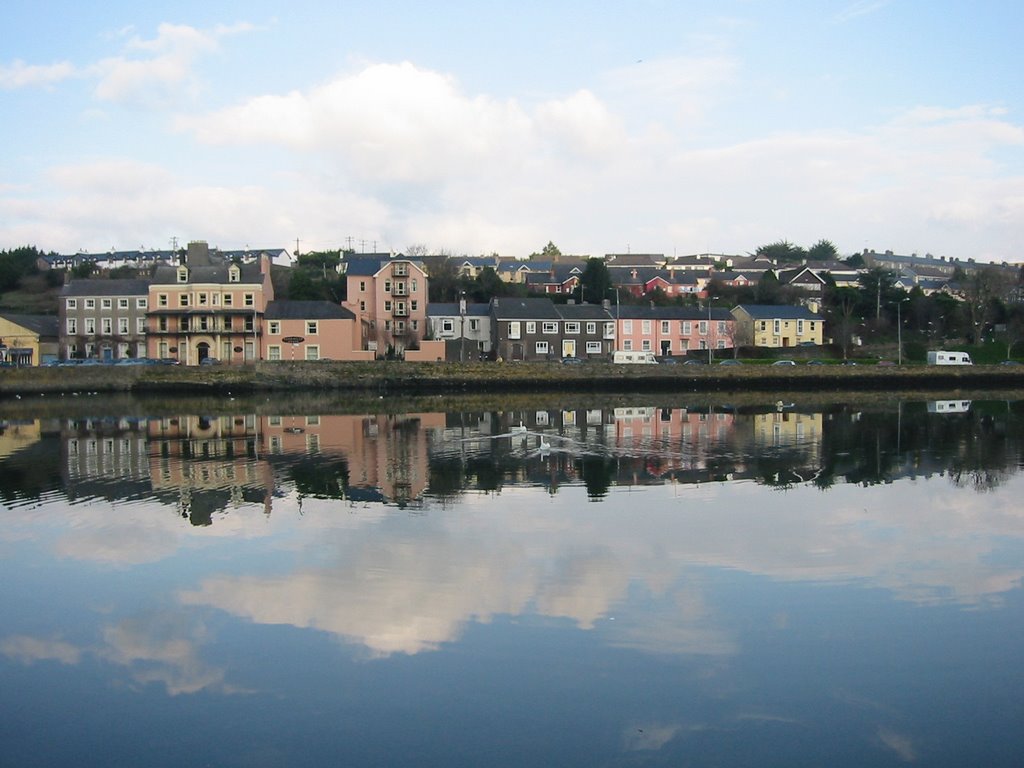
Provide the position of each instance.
(202, 351)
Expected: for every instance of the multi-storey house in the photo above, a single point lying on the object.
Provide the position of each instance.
(389, 296)
(207, 308)
(777, 326)
(104, 319)
(27, 339)
(538, 329)
(670, 331)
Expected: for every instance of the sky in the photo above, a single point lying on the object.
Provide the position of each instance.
(672, 127)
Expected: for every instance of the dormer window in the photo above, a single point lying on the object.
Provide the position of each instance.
(234, 274)
(182, 274)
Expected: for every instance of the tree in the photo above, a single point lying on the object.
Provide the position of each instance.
(549, 252)
(595, 282)
(302, 288)
(823, 250)
(321, 261)
(842, 306)
(982, 294)
(781, 251)
(878, 283)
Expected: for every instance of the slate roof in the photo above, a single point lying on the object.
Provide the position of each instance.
(506, 308)
(643, 312)
(780, 311)
(90, 287)
(43, 325)
(307, 310)
(215, 273)
(448, 309)
(371, 265)
(582, 312)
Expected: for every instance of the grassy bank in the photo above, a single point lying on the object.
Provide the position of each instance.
(400, 378)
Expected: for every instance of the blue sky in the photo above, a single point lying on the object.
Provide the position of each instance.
(666, 127)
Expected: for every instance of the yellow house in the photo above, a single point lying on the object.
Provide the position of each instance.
(763, 325)
(28, 339)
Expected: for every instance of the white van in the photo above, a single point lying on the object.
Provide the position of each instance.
(939, 357)
(636, 358)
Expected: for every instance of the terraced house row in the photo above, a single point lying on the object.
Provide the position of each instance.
(207, 308)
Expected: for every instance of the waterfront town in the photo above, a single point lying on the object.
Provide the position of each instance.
(200, 305)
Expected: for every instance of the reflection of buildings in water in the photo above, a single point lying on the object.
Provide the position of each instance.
(105, 457)
(386, 456)
(18, 435)
(209, 463)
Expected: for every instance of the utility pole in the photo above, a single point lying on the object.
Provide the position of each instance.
(296, 247)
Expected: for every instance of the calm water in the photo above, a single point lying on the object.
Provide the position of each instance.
(594, 586)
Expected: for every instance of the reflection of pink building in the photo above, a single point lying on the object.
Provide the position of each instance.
(387, 453)
(672, 330)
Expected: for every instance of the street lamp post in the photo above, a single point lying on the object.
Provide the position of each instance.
(710, 350)
(899, 332)
(462, 327)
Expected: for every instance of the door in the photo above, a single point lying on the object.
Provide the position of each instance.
(202, 351)
(568, 347)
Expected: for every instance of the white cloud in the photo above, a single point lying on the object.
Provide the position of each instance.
(18, 74)
(29, 650)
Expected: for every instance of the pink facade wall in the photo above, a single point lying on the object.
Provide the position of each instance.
(335, 339)
(680, 335)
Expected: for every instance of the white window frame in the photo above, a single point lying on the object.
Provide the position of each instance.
(274, 327)
(72, 304)
(541, 348)
(572, 327)
(514, 329)
(593, 347)
(274, 352)
(312, 352)
(531, 327)
(549, 326)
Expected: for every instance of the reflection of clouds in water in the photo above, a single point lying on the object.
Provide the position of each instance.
(649, 737)
(29, 650)
(899, 743)
(409, 595)
(161, 649)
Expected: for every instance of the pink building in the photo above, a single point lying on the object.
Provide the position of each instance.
(312, 330)
(388, 296)
(672, 330)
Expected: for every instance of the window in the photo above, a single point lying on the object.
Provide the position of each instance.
(387, 306)
(514, 329)
(645, 345)
(646, 326)
(312, 327)
(593, 347)
(414, 305)
(800, 327)
(531, 327)
(162, 349)
(415, 324)
(764, 325)
(161, 300)
(387, 286)
(274, 327)
(72, 326)
(313, 352)
(722, 327)
(474, 325)
(229, 299)
(249, 324)
(591, 328)
(777, 327)
(90, 303)
(609, 330)
(72, 304)
(362, 306)
(387, 325)
(183, 300)
(812, 326)
(721, 344)
(182, 274)
(248, 300)
(122, 326)
(90, 325)
(228, 324)
(549, 327)
(572, 327)
(274, 352)
(664, 327)
(234, 274)
(362, 286)
(627, 326)
(542, 347)
(202, 299)
(447, 326)
(399, 326)
(141, 303)
(183, 324)
(627, 345)
(414, 285)
(687, 328)
(162, 324)
(122, 303)
(140, 325)
(108, 326)
(106, 303)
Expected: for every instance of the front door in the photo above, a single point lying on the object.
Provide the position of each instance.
(568, 347)
(202, 351)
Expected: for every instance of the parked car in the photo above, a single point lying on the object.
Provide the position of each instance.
(730, 362)
(572, 360)
(694, 361)
(784, 362)
(815, 362)
(668, 361)
(209, 361)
